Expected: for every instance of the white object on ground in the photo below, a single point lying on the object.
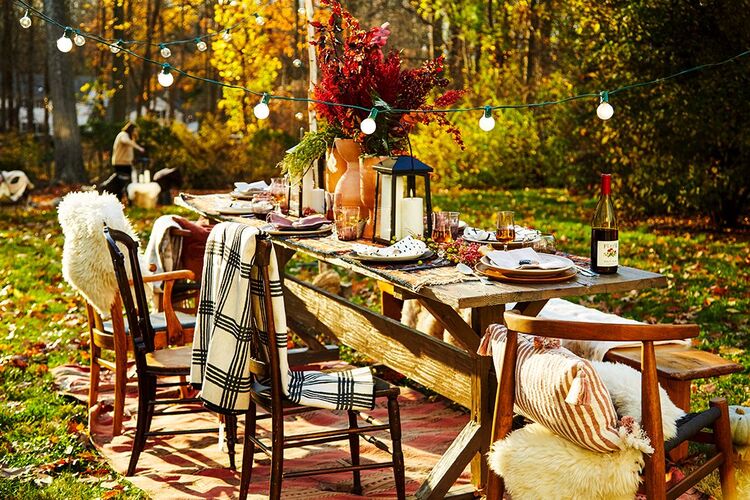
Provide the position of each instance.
(13, 184)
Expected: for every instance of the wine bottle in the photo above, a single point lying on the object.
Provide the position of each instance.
(604, 235)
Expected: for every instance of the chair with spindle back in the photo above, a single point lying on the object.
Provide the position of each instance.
(152, 364)
(265, 366)
(690, 428)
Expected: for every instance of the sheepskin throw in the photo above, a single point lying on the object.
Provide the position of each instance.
(561, 391)
(624, 386)
(86, 264)
(536, 463)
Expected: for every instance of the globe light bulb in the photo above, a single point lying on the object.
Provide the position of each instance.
(227, 36)
(368, 125)
(64, 44)
(605, 110)
(79, 40)
(297, 63)
(201, 45)
(115, 48)
(261, 110)
(166, 78)
(25, 21)
(260, 20)
(301, 11)
(165, 52)
(299, 115)
(487, 122)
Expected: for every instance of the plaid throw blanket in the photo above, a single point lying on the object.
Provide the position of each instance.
(230, 310)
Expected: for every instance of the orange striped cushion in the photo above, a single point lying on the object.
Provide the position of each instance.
(561, 391)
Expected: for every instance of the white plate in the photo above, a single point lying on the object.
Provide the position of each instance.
(564, 263)
(298, 232)
(397, 258)
(242, 209)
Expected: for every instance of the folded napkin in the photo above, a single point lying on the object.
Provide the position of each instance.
(281, 222)
(512, 259)
(522, 234)
(408, 247)
(244, 187)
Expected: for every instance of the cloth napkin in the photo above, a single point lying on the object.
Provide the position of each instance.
(408, 247)
(281, 222)
(522, 234)
(511, 259)
(244, 187)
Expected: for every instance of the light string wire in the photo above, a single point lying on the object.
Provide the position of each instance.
(121, 42)
(268, 96)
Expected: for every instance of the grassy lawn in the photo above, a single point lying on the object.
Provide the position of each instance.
(44, 447)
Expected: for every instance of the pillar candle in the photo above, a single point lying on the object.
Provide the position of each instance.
(308, 183)
(412, 217)
(318, 200)
(386, 197)
(147, 176)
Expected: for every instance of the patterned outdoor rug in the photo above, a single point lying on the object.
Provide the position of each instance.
(192, 466)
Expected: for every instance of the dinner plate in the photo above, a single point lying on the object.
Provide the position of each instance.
(565, 265)
(243, 209)
(386, 259)
(245, 195)
(494, 274)
(522, 243)
(311, 227)
(297, 232)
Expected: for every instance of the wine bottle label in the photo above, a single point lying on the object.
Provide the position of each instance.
(607, 253)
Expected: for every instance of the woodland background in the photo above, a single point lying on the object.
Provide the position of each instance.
(677, 148)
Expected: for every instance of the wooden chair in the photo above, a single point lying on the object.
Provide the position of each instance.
(183, 294)
(152, 364)
(171, 328)
(690, 428)
(265, 366)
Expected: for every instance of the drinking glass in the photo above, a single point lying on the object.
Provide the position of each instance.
(347, 223)
(279, 190)
(506, 228)
(444, 226)
(545, 244)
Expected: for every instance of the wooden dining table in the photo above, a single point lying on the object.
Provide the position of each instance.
(453, 370)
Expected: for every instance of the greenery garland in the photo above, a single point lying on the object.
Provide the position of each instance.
(312, 147)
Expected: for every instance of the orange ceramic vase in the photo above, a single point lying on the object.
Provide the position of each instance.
(335, 168)
(347, 192)
(367, 190)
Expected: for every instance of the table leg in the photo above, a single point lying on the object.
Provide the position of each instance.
(390, 305)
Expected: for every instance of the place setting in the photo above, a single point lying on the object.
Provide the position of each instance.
(525, 265)
(507, 235)
(312, 225)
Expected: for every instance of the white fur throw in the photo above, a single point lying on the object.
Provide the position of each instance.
(86, 264)
(624, 386)
(536, 463)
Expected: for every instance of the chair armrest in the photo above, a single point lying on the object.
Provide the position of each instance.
(182, 274)
(578, 330)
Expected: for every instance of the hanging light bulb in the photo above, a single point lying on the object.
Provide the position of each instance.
(164, 51)
(64, 43)
(298, 115)
(200, 45)
(115, 47)
(166, 78)
(487, 122)
(605, 109)
(297, 63)
(260, 20)
(227, 36)
(301, 11)
(261, 110)
(25, 21)
(79, 39)
(368, 125)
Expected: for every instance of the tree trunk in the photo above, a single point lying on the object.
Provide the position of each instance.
(67, 138)
(7, 68)
(118, 103)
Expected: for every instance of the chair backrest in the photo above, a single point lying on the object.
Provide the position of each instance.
(133, 296)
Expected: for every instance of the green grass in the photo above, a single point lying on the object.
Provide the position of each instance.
(44, 445)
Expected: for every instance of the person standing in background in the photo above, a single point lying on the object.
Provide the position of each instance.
(122, 161)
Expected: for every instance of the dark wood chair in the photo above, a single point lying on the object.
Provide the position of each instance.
(171, 328)
(152, 364)
(265, 367)
(183, 294)
(691, 428)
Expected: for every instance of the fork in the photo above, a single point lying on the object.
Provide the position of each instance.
(586, 272)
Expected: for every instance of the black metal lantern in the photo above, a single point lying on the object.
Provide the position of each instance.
(391, 175)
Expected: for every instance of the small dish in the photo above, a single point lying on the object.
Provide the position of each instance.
(387, 259)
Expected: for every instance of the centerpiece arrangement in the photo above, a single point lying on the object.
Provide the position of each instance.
(362, 95)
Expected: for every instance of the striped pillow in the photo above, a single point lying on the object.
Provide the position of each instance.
(561, 391)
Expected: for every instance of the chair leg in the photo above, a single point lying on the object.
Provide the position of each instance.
(394, 421)
(121, 384)
(94, 372)
(231, 425)
(723, 437)
(277, 454)
(248, 451)
(145, 383)
(354, 448)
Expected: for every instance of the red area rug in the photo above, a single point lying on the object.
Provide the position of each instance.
(193, 466)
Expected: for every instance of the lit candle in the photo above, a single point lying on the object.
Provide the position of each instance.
(412, 217)
(147, 176)
(386, 197)
(308, 182)
(318, 200)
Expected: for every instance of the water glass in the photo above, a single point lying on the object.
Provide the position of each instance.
(506, 227)
(545, 244)
(347, 223)
(279, 190)
(444, 226)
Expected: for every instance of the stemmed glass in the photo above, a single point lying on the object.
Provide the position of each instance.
(279, 190)
(506, 228)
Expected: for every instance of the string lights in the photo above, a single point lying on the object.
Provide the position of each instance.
(604, 111)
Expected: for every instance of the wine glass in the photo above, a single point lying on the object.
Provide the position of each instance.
(279, 190)
(444, 227)
(506, 228)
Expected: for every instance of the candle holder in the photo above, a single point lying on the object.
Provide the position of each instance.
(391, 175)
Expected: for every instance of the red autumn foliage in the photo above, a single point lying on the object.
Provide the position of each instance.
(354, 71)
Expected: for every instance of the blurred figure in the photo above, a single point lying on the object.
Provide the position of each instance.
(122, 161)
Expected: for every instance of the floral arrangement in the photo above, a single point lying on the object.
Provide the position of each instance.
(354, 70)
